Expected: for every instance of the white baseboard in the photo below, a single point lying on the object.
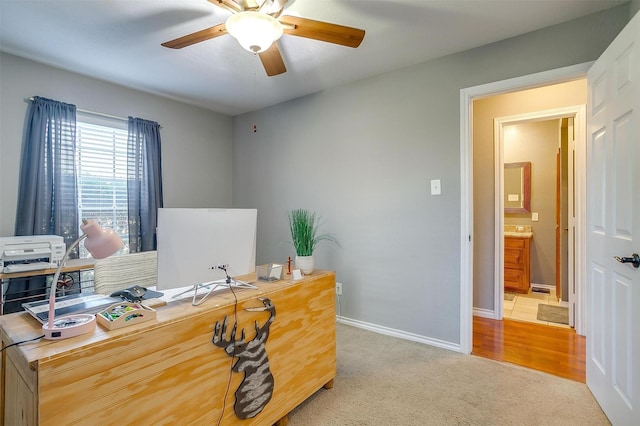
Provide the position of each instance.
(550, 287)
(399, 334)
(485, 313)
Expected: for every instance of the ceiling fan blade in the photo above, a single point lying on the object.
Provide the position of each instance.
(227, 5)
(252, 5)
(196, 37)
(273, 7)
(323, 31)
(272, 61)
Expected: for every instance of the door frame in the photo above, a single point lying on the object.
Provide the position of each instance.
(579, 114)
(467, 95)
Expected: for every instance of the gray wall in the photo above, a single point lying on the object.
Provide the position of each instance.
(538, 142)
(196, 143)
(362, 156)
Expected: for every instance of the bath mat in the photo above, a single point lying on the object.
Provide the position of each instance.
(509, 296)
(553, 313)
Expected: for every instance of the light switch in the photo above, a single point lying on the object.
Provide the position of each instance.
(534, 216)
(435, 187)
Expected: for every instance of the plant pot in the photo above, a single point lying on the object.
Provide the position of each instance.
(305, 264)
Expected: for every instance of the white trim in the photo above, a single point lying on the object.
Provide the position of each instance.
(466, 225)
(579, 304)
(467, 95)
(484, 313)
(498, 164)
(398, 333)
(536, 285)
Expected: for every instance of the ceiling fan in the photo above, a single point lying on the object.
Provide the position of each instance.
(257, 25)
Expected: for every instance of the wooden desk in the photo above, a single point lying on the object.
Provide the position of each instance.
(167, 371)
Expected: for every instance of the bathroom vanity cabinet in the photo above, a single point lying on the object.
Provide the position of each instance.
(517, 265)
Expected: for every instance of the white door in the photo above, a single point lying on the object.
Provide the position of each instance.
(613, 228)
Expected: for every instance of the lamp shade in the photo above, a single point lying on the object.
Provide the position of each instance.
(255, 31)
(100, 242)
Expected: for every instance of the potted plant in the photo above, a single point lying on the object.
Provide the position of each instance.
(304, 226)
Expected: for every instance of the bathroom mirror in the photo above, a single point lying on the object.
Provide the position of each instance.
(517, 187)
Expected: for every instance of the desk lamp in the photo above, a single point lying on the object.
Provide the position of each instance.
(100, 243)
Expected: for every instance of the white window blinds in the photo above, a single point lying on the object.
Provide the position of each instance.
(101, 149)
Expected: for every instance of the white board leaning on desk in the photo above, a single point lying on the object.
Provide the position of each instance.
(193, 242)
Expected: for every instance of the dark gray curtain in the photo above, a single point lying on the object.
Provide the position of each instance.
(47, 194)
(144, 183)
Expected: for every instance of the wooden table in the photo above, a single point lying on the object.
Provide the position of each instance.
(167, 370)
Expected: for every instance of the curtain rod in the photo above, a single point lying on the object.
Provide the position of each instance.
(99, 114)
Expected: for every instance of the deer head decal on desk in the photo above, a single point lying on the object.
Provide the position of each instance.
(255, 391)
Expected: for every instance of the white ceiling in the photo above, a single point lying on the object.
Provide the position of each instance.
(119, 41)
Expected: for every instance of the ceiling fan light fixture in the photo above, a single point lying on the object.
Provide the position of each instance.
(255, 31)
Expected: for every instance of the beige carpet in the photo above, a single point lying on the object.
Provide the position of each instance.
(387, 381)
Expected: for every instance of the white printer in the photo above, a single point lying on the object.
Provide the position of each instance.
(30, 253)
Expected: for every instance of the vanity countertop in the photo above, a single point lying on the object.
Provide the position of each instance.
(518, 231)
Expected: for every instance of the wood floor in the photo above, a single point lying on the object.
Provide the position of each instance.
(554, 350)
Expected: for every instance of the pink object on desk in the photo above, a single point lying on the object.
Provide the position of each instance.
(100, 243)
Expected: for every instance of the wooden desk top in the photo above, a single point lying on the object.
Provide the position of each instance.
(22, 326)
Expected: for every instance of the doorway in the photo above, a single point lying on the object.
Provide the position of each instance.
(477, 293)
(612, 319)
(547, 142)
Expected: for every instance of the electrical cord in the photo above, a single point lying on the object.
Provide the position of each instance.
(24, 341)
(233, 356)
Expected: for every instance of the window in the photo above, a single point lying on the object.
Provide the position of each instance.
(101, 162)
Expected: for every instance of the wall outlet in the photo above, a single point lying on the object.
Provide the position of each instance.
(339, 289)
